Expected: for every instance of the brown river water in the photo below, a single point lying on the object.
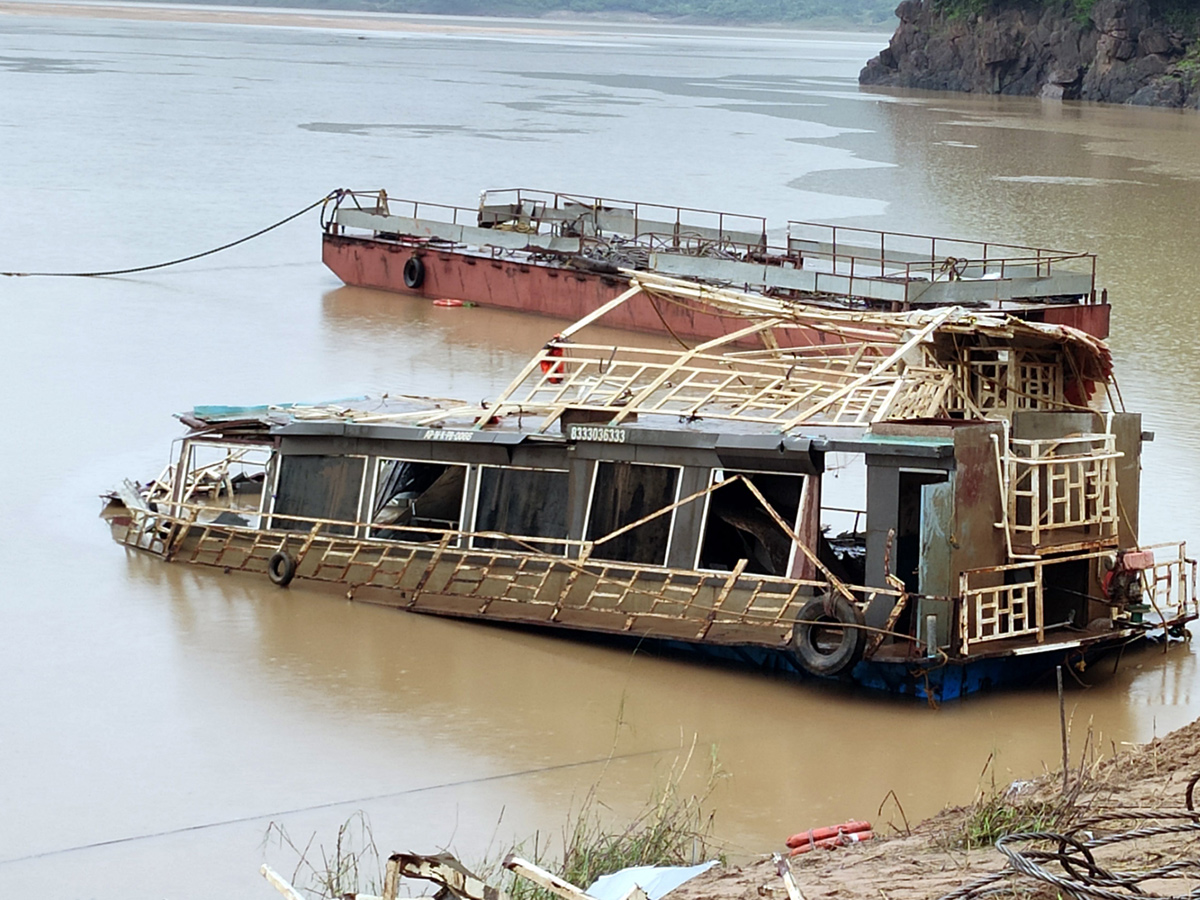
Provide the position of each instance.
(155, 718)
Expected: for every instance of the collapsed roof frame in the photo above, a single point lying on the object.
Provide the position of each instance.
(816, 366)
(790, 366)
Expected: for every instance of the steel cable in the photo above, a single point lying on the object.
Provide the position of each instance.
(1083, 877)
(174, 262)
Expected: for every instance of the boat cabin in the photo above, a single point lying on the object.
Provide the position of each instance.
(677, 496)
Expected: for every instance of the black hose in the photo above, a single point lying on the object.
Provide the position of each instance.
(175, 262)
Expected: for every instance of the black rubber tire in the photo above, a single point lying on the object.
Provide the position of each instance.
(281, 569)
(414, 273)
(814, 623)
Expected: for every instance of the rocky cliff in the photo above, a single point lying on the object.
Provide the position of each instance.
(1118, 51)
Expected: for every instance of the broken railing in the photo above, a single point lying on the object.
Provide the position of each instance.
(999, 379)
(854, 383)
(1169, 584)
(1008, 601)
(448, 571)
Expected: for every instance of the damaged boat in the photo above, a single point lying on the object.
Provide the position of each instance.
(565, 255)
(676, 495)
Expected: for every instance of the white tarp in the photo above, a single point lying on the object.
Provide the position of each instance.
(656, 881)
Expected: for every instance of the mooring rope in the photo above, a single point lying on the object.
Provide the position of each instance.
(182, 259)
(258, 817)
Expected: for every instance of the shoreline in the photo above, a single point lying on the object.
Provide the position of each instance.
(556, 23)
(928, 861)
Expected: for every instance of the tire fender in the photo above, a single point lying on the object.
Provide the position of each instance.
(281, 568)
(414, 272)
(828, 638)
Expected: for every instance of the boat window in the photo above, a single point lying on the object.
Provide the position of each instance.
(622, 494)
(737, 526)
(414, 496)
(318, 487)
(523, 503)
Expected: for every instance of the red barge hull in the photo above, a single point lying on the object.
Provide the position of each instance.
(566, 293)
(545, 290)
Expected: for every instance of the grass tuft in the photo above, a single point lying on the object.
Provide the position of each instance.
(352, 865)
(672, 828)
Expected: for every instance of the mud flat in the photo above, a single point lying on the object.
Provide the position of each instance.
(290, 18)
(1139, 788)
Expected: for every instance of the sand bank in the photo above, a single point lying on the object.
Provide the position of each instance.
(290, 18)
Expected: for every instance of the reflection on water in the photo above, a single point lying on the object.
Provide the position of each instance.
(146, 699)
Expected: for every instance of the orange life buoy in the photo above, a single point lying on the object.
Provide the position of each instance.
(552, 370)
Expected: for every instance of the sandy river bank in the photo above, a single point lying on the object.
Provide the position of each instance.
(293, 18)
(1128, 790)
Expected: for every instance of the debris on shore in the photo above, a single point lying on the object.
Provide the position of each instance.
(1125, 826)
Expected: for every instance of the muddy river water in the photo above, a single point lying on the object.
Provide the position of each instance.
(155, 719)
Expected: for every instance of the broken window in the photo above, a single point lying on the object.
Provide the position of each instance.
(622, 494)
(318, 487)
(737, 526)
(412, 496)
(523, 503)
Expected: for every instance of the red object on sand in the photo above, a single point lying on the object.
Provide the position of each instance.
(830, 831)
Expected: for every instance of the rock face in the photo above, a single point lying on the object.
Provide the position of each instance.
(1118, 53)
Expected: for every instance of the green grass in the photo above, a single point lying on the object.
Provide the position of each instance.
(673, 827)
(996, 813)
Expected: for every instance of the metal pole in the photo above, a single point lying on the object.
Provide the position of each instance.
(1062, 724)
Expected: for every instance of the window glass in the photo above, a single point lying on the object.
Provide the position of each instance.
(318, 487)
(522, 502)
(412, 496)
(736, 526)
(624, 493)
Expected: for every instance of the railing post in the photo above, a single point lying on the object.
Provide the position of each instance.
(1035, 511)
(964, 615)
(1041, 622)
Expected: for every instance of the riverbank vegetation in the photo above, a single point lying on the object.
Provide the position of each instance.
(673, 827)
(1182, 16)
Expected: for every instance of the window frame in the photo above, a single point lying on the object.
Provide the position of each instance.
(587, 518)
(281, 457)
(468, 488)
(702, 532)
(479, 467)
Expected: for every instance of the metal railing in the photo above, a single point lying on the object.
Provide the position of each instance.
(871, 254)
(865, 257)
(444, 571)
(1169, 585)
(1062, 485)
(996, 611)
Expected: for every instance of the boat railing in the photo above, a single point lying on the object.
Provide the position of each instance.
(380, 204)
(869, 254)
(630, 217)
(509, 577)
(1169, 584)
(1003, 602)
(1062, 490)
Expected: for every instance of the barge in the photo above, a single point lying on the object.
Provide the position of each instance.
(676, 496)
(565, 255)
